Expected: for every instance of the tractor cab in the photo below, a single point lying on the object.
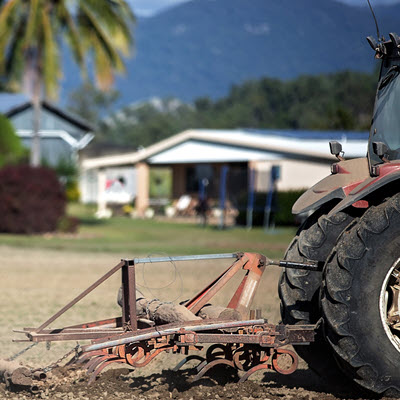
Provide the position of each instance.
(384, 141)
(361, 182)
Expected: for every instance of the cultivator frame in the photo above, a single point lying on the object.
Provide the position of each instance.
(247, 345)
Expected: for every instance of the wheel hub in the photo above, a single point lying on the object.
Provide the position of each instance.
(390, 304)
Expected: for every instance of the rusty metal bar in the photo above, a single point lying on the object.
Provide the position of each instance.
(191, 338)
(171, 331)
(203, 297)
(110, 322)
(132, 297)
(185, 258)
(81, 296)
(125, 294)
(45, 337)
(255, 267)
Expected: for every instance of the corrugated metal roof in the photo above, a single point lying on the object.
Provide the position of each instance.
(195, 151)
(230, 143)
(305, 134)
(14, 103)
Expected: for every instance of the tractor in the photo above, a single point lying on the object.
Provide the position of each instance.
(354, 235)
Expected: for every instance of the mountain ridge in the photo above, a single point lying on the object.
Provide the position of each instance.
(203, 47)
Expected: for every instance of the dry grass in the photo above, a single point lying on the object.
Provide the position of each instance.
(35, 283)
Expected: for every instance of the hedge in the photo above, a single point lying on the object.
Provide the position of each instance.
(32, 200)
(281, 208)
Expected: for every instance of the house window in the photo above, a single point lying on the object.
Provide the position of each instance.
(196, 173)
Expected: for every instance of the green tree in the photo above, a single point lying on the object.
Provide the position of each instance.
(11, 149)
(92, 103)
(30, 35)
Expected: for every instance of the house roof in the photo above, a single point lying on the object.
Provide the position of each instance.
(11, 101)
(14, 103)
(238, 145)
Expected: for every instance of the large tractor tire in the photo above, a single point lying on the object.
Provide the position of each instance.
(360, 299)
(299, 289)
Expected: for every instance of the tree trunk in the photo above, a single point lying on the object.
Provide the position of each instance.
(35, 144)
(32, 85)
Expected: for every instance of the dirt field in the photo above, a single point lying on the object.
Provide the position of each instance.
(36, 283)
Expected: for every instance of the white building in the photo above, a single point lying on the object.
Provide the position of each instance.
(62, 134)
(303, 158)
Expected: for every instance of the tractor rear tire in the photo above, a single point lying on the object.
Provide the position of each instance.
(360, 297)
(299, 289)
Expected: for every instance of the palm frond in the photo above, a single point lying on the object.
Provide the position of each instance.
(6, 12)
(117, 18)
(33, 22)
(71, 32)
(95, 36)
(51, 68)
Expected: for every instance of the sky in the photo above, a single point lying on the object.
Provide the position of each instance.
(151, 7)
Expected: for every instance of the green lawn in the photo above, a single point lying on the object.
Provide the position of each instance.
(131, 237)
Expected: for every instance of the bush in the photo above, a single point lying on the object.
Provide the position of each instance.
(72, 191)
(11, 149)
(281, 207)
(31, 200)
(285, 201)
(68, 224)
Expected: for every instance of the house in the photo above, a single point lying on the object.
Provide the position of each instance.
(62, 133)
(198, 158)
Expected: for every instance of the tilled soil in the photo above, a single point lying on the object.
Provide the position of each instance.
(69, 383)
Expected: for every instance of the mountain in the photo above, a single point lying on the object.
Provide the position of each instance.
(203, 47)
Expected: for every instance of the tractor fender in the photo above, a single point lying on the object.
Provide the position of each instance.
(349, 174)
(388, 173)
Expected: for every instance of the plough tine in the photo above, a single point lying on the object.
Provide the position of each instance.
(86, 356)
(101, 367)
(253, 370)
(186, 360)
(97, 361)
(211, 365)
(201, 365)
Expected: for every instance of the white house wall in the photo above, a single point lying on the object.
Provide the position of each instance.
(48, 121)
(294, 174)
(88, 183)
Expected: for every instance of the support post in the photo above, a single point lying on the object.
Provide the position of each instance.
(129, 316)
(250, 200)
(222, 195)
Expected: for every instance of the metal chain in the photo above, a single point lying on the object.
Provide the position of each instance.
(61, 359)
(52, 365)
(16, 355)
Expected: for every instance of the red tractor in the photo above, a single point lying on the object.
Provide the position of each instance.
(354, 235)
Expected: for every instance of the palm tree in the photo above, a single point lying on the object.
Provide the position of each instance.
(31, 32)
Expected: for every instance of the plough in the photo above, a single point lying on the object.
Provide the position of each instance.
(248, 345)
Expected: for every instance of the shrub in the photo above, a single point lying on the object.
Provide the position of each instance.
(31, 200)
(281, 207)
(72, 191)
(11, 149)
(68, 224)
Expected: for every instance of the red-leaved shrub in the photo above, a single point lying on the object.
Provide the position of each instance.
(32, 200)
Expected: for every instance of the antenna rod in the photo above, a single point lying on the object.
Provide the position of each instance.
(376, 22)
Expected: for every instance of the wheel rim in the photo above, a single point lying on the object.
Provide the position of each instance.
(389, 304)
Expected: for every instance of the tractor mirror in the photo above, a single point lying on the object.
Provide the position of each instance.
(373, 43)
(395, 39)
(335, 148)
(380, 149)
